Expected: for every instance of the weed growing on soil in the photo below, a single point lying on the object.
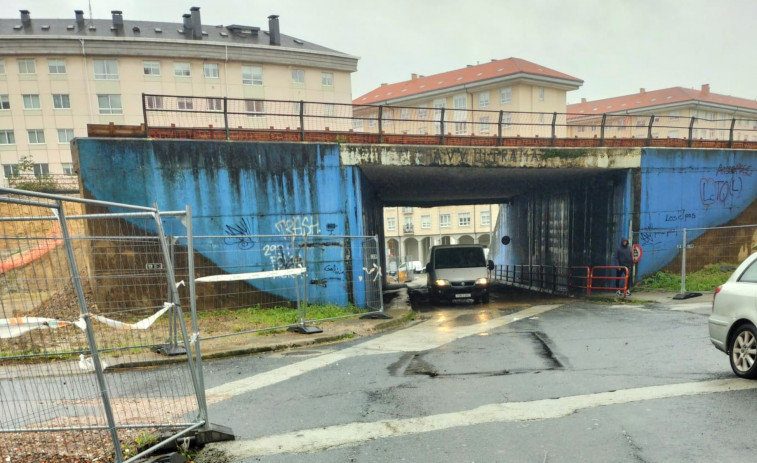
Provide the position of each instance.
(705, 279)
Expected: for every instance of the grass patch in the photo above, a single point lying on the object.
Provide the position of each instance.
(705, 279)
(253, 318)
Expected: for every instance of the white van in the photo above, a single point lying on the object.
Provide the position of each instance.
(458, 272)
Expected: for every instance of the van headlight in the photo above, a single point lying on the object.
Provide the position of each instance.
(441, 283)
(482, 281)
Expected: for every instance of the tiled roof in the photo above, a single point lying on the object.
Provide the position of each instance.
(478, 73)
(655, 98)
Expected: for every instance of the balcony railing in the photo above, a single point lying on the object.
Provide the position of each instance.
(171, 116)
(407, 229)
(51, 183)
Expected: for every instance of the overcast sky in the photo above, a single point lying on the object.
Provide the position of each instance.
(615, 46)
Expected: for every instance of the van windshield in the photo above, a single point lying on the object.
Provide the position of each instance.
(459, 258)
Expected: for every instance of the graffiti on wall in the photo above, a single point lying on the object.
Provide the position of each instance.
(727, 184)
(238, 234)
(298, 225)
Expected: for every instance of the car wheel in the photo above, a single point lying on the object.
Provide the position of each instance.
(743, 351)
(485, 298)
(476, 300)
(434, 297)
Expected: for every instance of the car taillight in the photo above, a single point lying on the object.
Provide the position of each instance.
(717, 290)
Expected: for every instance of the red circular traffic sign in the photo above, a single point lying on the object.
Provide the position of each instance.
(636, 253)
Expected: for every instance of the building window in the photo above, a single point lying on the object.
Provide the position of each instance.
(151, 68)
(106, 69)
(154, 102)
(372, 123)
(388, 117)
(445, 221)
(483, 125)
(184, 103)
(109, 104)
(181, 69)
(357, 125)
(391, 223)
(541, 93)
(425, 221)
(36, 136)
(673, 115)
(422, 112)
(329, 110)
(507, 119)
(298, 76)
(10, 170)
(215, 104)
(252, 75)
(210, 70)
(56, 66)
(483, 100)
(41, 170)
(486, 218)
(26, 66)
(463, 219)
(405, 114)
(407, 210)
(327, 79)
(61, 101)
(409, 223)
(65, 135)
(7, 137)
(68, 168)
(460, 102)
(5, 103)
(254, 108)
(506, 95)
(31, 101)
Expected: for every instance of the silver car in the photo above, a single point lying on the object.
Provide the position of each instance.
(733, 323)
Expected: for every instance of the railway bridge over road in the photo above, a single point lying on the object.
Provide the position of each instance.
(561, 206)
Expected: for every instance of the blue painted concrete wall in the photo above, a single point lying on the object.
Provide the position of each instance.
(689, 189)
(244, 189)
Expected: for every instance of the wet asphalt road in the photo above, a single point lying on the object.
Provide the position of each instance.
(577, 381)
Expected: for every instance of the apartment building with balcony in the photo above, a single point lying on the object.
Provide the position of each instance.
(58, 75)
(410, 232)
(509, 97)
(674, 112)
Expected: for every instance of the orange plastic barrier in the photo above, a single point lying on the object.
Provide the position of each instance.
(39, 249)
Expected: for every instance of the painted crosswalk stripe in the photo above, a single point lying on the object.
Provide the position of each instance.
(320, 439)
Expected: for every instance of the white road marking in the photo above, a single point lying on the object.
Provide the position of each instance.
(690, 307)
(314, 440)
(416, 338)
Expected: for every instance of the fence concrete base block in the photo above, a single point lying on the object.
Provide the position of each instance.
(173, 457)
(170, 350)
(307, 329)
(686, 295)
(376, 316)
(213, 433)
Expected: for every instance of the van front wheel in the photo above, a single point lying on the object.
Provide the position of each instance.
(485, 298)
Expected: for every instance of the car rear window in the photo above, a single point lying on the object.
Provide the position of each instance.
(460, 258)
(750, 274)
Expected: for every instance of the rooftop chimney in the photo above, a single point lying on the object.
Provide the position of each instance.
(196, 23)
(79, 18)
(705, 89)
(642, 91)
(187, 24)
(413, 76)
(26, 20)
(583, 100)
(118, 20)
(273, 29)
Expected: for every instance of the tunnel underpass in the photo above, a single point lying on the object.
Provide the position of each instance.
(568, 209)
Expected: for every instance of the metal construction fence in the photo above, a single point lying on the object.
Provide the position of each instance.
(698, 257)
(81, 294)
(88, 296)
(172, 116)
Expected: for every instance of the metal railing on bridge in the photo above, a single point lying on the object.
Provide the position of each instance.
(172, 116)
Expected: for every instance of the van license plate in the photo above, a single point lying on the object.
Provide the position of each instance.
(462, 295)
